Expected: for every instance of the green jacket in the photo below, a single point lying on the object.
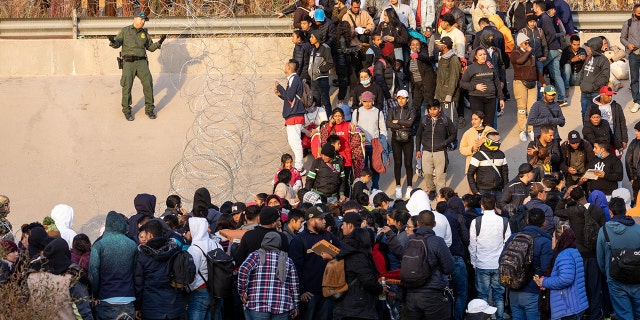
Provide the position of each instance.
(134, 42)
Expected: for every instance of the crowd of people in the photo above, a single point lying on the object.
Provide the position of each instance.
(548, 243)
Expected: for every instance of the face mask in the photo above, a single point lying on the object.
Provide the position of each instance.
(637, 16)
(365, 82)
(491, 145)
(599, 155)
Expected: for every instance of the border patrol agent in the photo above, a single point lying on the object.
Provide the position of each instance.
(135, 42)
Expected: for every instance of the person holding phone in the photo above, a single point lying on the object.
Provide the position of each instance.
(571, 62)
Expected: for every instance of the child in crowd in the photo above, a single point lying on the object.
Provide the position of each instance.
(374, 52)
(360, 184)
(296, 179)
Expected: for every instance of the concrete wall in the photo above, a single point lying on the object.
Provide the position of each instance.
(186, 56)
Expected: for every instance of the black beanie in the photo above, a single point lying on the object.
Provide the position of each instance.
(594, 110)
(268, 215)
(329, 150)
(637, 126)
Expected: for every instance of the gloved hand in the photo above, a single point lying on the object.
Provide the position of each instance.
(112, 39)
(162, 38)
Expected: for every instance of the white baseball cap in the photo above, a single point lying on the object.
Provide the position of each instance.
(479, 305)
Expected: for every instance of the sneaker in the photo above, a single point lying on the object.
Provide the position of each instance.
(419, 172)
(531, 135)
(151, 115)
(460, 122)
(523, 136)
(303, 172)
(407, 194)
(128, 116)
(398, 193)
(500, 113)
(563, 103)
(635, 108)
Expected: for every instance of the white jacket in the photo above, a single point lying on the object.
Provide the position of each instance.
(200, 239)
(485, 249)
(419, 202)
(62, 214)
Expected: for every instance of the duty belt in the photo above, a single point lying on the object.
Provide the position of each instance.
(128, 58)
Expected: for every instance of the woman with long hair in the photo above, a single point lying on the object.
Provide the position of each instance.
(474, 137)
(393, 31)
(483, 83)
(565, 277)
(282, 188)
(400, 121)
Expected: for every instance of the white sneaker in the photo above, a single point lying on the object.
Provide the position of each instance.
(635, 108)
(531, 135)
(407, 194)
(523, 136)
(398, 193)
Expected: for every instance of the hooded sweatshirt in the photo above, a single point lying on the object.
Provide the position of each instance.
(202, 197)
(112, 261)
(200, 244)
(145, 204)
(62, 214)
(419, 202)
(595, 72)
(614, 114)
(623, 232)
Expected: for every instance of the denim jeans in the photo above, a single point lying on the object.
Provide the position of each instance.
(110, 311)
(375, 177)
(524, 305)
(570, 78)
(487, 282)
(255, 315)
(586, 99)
(198, 307)
(553, 64)
(318, 308)
(576, 316)
(625, 299)
(460, 283)
(634, 71)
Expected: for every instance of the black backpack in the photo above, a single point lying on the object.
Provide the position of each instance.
(415, 270)
(220, 272)
(591, 229)
(182, 270)
(624, 264)
(505, 224)
(515, 268)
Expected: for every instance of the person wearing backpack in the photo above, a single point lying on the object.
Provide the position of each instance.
(268, 282)
(538, 194)
(575, 208)
(293, 111)
(485, 246)
(155, 297)
(361, 276)
(424, 299)
(199, 304)
(620, 232)
(524, 301)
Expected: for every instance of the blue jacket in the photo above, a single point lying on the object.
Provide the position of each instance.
(154, 295)
(542, 252)
(292, 106)
(568, 294)
(112, 260)
(548, 213)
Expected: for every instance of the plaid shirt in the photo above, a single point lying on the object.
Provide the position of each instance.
(264, 291)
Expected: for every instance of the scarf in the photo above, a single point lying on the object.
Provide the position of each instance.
(272, 242)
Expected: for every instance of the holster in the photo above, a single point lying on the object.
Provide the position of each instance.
(120, 62)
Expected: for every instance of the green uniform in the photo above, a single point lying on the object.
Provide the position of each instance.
(135, 43)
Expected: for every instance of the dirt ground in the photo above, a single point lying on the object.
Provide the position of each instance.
(65, 140)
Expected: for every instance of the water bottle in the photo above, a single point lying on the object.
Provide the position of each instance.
(383, 282)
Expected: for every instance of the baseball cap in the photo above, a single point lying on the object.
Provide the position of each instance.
(367, 96)
(479, 305)
(142, 15)
(318, 15)
(445, 41)
(317, 211)
(574, 137)
(607, 90)
(550, 90)
(403, 93)
(353, 218)
(238, 207)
